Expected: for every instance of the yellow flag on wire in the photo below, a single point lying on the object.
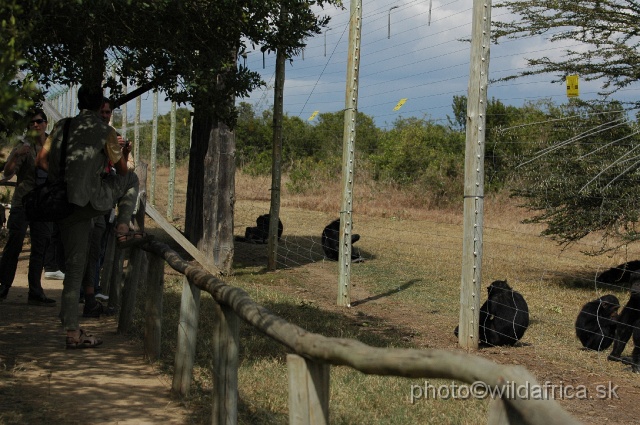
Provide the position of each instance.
(572, 86)
(313, 115)
(400, 103)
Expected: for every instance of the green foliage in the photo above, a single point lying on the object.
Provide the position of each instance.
(261, 164)
(322, 142)
(330, 134)
(498, 150)
(16, 97)
(419, 151)
(585, 176)
(182, 135)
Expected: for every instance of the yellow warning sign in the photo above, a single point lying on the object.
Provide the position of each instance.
(400, 103)
(313, 115)
(572, 86)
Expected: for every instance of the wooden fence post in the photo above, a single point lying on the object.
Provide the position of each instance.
(187, 337)
(308, 391)
(135, 268)
(153, 308)
(107, 265)
(115, 276)
(225, 365)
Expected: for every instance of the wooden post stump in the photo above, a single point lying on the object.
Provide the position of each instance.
(135, 268)
(153, 308)
(187, 334)
(308, 391)
(225, 365)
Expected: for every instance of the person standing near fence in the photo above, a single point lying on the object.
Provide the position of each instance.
(21, 162)
(91, 144)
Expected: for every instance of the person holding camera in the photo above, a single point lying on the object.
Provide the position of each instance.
(91, 145)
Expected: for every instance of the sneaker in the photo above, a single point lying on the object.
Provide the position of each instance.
(93, 311)
(102, 297)
(57, 275)
(41, 300)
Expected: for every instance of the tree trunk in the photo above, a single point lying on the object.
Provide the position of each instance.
(209, 213)
(202, 124)
(219, 198)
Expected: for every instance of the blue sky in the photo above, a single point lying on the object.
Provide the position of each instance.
(406, 56)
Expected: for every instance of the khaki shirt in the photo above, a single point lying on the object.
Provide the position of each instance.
(25, 171)
(91, 144)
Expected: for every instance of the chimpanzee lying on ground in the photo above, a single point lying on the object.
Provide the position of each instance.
(596, 322)
(504, 317)
(260, 233)
(331, 242)
(622, 273)
(628, 323)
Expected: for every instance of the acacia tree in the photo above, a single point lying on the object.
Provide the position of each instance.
(608, 30)
(586, 179)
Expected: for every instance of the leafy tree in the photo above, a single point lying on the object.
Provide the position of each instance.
(585, 179)
(417, 151)
(591, 186)
(498, 151)
(182, 133)
(607, 31)
(17, 96)
(330, 129)
(253, 134)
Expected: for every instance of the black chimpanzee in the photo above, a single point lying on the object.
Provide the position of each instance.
(622, 273)
(331, 242)
(596, 322)
(627, 320)
(504, 317)
(260, 233)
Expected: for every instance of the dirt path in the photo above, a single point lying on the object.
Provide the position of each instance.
(43, 383)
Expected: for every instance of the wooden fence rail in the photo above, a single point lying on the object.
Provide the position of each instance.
(312, 354)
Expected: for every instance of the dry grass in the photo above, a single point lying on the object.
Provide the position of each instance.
(406, 295)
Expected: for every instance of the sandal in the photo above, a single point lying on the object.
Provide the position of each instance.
(131, 238)
(85, 340)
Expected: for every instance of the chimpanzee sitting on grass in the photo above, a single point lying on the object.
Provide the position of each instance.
(504, 317)
(260, 233)
(597, 321)
(628, 323)
(331, 242)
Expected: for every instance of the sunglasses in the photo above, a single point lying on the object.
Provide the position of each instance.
(38, 121)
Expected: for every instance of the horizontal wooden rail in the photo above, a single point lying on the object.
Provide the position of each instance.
(410, 363)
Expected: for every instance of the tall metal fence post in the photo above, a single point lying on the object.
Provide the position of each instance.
(471, 280)
(348, 152)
